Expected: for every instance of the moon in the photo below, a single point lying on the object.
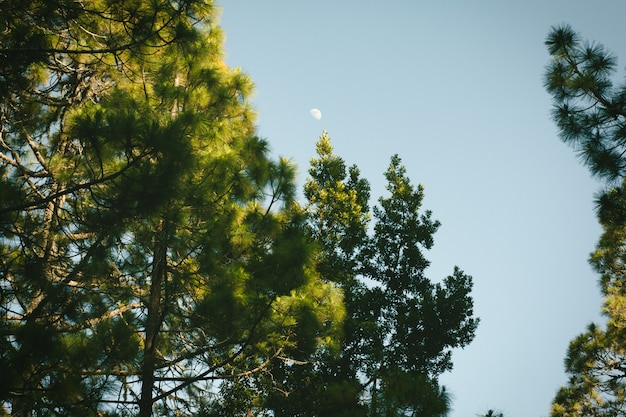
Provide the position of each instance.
(316, 113)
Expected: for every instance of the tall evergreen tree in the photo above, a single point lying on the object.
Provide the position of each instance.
(322, 381)
(419, 316)
(420, 321)
(399, 326)
(149, 247)
(590, 111)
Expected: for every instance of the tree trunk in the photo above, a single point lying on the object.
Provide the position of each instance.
(23, 404)
(153, 321)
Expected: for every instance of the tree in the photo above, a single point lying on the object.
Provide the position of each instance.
(590, 111)
(493, 413)
(323, 381)
(399, 327)
(421, 321)
(149, 247)
(595, 359)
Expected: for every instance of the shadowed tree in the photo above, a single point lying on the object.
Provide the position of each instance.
(399, 326)
(421, 321)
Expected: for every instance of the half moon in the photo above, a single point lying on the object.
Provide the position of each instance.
(316, 113)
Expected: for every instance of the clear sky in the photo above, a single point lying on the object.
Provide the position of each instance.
(455, 88)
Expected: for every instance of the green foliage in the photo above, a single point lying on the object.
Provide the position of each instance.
(595, 358)
(399, 327)
(420, 321)
(153, 259)
(589, 109)
(150, 247)
(590, 112)
(411, 394)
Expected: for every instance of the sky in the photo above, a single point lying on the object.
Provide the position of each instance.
(455, 88)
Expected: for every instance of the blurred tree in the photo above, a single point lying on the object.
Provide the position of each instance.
(590, 112)
(492, 413)
(149, 247)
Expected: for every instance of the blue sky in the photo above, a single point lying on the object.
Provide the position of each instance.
(455, 88)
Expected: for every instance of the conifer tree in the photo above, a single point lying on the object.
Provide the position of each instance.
(590, 111)
(321, 381)
(595, 359)
(399, 327)
(420, 321)
(149, 247)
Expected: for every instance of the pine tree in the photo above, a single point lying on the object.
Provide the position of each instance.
(595, 359)
(421, 321)
(399, 327)
(149, 247)
(590, 111)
